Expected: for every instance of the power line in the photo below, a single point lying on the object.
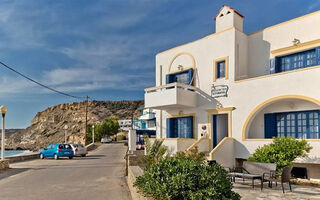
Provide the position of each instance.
(42, 85)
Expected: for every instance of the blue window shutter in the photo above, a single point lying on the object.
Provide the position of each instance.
(272, 66)
(270, 125)
(318, 55)
(168, 78)
(190, 76)
(190, 127)
(169, 127)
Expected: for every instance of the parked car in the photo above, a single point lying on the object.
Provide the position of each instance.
(56, 151)
(79, 150)
(106, 140)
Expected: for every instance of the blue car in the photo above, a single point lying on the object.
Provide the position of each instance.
(56, 151)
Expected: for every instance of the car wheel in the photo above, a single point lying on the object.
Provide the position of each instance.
(41, 156)
(55, 156)
(70, 157)
(83, 155)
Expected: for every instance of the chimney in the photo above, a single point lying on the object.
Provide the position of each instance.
(228, 17)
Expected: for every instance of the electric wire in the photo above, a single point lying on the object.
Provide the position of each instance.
(38, 83)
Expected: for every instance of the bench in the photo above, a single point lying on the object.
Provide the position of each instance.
(255, 170)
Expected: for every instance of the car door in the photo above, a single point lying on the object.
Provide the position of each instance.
(52, 150)
(46, 150)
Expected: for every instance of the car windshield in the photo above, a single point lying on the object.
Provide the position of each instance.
(80, 145)
(67, 146)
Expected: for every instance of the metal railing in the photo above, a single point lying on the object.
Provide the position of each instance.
(170, 86)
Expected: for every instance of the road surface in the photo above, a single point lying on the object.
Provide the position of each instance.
(100, 175)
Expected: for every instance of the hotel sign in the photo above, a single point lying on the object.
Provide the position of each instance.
(219, 91)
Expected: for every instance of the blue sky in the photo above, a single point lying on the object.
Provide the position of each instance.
(106, 49)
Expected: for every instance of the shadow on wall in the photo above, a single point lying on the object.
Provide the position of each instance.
(241, 150)
(258, 54)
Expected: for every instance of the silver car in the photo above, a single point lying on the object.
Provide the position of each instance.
(106, 140)
(79, 150)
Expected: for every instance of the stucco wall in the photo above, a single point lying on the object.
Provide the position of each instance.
(248, 55)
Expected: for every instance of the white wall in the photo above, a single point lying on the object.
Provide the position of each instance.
(225, 155)
(261, 43)
(246, 95)
(228, 20)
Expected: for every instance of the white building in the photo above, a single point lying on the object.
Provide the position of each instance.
(146, 120)
(231, 92)
(125, 124)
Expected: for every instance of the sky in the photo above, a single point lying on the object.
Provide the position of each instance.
(106, 49)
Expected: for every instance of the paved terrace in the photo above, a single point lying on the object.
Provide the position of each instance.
(299, 192)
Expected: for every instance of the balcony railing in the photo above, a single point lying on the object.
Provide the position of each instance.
(173, 95)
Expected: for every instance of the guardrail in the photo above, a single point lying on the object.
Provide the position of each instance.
(170, 86)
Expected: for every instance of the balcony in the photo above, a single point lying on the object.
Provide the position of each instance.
(171, 96)
(147, 116)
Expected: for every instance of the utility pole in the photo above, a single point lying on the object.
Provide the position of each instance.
(92, 133)
(86, 123)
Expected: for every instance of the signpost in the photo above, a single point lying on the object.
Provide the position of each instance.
(219, 91)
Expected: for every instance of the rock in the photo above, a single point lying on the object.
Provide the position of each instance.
(48, 126)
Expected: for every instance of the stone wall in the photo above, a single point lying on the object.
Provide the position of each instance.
(23, 157)
(4, 164)
(133, 173)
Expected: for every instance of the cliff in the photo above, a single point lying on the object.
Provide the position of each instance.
(48, 126)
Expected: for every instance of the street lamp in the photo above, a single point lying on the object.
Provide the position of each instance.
(92, 133)
(3, 110)
(65, 133)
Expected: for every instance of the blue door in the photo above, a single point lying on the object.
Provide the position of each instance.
(214, 131)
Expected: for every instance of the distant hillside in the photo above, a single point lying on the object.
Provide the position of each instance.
(9, 132)
(48, 126)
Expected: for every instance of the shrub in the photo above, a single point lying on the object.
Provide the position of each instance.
(125, 144)
(121, 137)
(180, 177)
(282, 151)
(154, 153)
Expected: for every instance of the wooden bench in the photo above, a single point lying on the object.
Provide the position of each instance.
(254, 170)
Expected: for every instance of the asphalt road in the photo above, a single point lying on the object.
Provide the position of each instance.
(100, 175)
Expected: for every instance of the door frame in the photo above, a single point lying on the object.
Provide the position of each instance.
(211, 113)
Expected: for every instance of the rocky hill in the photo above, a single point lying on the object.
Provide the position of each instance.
(48, 126)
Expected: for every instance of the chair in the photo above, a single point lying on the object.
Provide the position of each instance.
(285, 177)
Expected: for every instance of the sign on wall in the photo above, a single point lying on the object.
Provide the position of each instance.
(219, 91)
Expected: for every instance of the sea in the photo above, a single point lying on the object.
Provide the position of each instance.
(9, 153)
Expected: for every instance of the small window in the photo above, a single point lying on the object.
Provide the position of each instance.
(221, 69)
(221, 15)
(228, 12)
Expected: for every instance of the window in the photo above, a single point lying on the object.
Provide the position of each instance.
(180, 127)
(184, 77)
(221, 67)
(301, 124)
(296, 61)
